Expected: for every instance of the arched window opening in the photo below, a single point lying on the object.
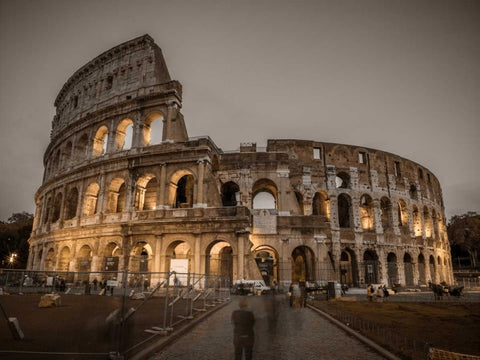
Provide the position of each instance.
(57, 205)
(413, 191)
(342, 180)
(264, 194)
(321, 205)
(184, 194)
(111, 258)
(179, 258)
(344, 211)
(219, 261)
(100, 141)
(230, 194)
(116, 196)
(71, 204)
(402, 213)
(348, 268)
(146, 195)
(421, 270)
(427, 222)
(431, 263)
(408, 267)
(64, 259)
(84, 262)
(81, 148)
(267, 263)
(392, 270)
(48, 208)
(370, 263)
(67, 154)
(417, 221)
(153, 129)
(303, 264)
(56, 162)
(124, 135)
(140, 257)
(386, 207)
(366, 212)
(90, 201)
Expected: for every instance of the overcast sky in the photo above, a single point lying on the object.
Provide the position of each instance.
(400, 76)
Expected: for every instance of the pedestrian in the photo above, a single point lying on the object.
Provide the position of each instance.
(370, 292)
(243, 336)
(380, 293)
(290, 294)
(385, 292)
(95, 282)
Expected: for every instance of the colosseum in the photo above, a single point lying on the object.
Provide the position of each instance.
(126, 188)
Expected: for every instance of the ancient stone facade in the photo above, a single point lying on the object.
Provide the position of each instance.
(126, 188)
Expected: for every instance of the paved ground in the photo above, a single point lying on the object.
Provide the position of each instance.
(281, 333)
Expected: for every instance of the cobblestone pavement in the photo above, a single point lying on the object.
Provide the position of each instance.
(281, 333)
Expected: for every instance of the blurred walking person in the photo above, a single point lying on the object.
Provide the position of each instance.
(243, 336)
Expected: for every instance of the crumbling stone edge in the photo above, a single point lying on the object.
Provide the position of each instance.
(159, 345)
(382, 351)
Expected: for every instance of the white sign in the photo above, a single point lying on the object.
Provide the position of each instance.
(180, 267)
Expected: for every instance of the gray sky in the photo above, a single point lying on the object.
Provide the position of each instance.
(400, 76)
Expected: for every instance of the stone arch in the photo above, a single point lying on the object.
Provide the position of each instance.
(345, 217)
(124, 135)
(348, 267)
(67, 154)
(402, 213)
(417, 221)
(81, 148)
(111, 256)
(179, 249)
(146, 194)
(48, 207)
(408, 268)
(303, 264)
(181, 189)
(321, 204)
(431, 264)
(386, 208)
(342, 180)
(64, 259)
(153, 128)
(140, 257)
(84, 262)
(116, 201)
(264, 194)
(90, 199)
(56, 162)
(57, 207)
(71, 203)
(50, 260)
(266, 258)
(366, 212)
(100, 141)
(427, 222)
(219, 260)
(230, 194)
(392, 269)
(370, 263)
(421, 269)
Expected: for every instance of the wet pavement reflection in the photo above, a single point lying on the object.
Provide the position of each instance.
(281, 333)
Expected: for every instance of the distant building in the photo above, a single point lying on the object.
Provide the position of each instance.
(112, 198)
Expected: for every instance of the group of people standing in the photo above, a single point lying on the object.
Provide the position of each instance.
(380, 293)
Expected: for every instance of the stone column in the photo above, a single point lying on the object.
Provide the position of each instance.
(162, 186)
(355, 211)
(377, 216)
(241, 255)
(30, 258)
(137, 136)
(200, 185)
(101, 200)
(334, 224)
(197, 253)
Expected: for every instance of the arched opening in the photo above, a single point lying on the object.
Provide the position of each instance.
(366, 212)
(56, 162)
(90, 201)
(182, 184)
(124, 135)
(57, 206)
(342, 180)
(116, 196)
(100, 141)
(230, 194)
(49, 260)
(64, 259)
(321, 205)
(111, 257)
(431, 264)
(386, 208)
(402, 213)
(370, 262)
(408, 267)
(303, 264)
(264, 194)
(219, 262)
(84, 262)
(413, 192)
(421, 270)
(348, 268)
(417, 221)
(153, 129)
(146, 195)
(48, 208)
(38, 259)
(71, 204)
(344, 211)
(427, 222)
(179, 258)
(81, 148)
(267, 262)
(140, 257)
(67, 154)
(392, 269)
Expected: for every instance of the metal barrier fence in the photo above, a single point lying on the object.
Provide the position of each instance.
(468, 283)
(102, 314)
